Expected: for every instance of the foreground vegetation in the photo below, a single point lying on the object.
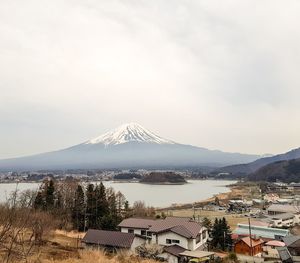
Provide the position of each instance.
(100, 257)
(28, 218)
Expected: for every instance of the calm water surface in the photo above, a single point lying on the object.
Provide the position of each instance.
(154, 195)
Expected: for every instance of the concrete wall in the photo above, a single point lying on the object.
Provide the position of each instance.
(169, 258)
(183, 242)
(138, 241)
(270, 252)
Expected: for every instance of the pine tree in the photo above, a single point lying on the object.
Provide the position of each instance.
(216, 234)
(126, 209)
(50, 195)
(102, 208)
(207, 224)
(90, 206)
(227, 240)
(111, 199)
(78, 211)
(221, 235)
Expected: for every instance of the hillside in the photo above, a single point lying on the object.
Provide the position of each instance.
(163, 178)
(285, 171)
(248, 168)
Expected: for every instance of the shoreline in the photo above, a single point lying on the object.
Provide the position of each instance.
(223, 197)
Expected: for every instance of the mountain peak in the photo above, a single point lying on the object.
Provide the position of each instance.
(129, 132)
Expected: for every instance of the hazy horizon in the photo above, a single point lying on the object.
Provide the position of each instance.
(215, 74)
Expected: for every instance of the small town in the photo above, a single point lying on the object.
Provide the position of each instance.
(270, 231)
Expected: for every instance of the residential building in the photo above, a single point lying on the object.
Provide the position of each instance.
(283, 220)
(270, 250)
(249, 246)
(112, 240)
(266, 233)
(291, 252)
(183, 232)
(276, 209)
(171, 254)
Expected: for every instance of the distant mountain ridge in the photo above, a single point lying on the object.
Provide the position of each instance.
(248, 168)
(284, 171)
(128, 146)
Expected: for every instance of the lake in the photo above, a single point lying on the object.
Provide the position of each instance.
(153, 195)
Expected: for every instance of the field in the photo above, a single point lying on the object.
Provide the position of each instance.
(63, 247)
(233, 219)
(238, 191)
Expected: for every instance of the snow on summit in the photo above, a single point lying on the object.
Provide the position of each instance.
(131, 132)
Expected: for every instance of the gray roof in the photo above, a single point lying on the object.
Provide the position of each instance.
(261, 231)
(181, 226)
(282, 216)
(290, 240)
(174, 250)
(284, 253)
(284, 208)
(108, 238)
(137, 223)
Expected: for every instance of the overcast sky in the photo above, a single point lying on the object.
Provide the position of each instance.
(217, 74)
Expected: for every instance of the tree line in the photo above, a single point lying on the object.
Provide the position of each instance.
(81, 208)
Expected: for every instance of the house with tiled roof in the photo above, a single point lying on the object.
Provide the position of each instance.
(249, 246)
(183, 232)
(112, 240)
(291, 252)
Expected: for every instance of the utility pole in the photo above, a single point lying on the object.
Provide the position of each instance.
(224, 236)
(251, 251)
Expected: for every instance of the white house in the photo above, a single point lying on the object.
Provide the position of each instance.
(183, 232)
(283, 220)
(175, 234)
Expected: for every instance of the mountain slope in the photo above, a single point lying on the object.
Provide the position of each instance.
(245, 169)
(285, 171)
(129, 146)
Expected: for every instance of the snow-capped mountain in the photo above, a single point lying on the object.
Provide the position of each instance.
(128, 146)
(131, 132)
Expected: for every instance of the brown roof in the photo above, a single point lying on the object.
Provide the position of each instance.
(180, 225)
(137, 223)
(255, 242)
(174, 250)
(108, 238)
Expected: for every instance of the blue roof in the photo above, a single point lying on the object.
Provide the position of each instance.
(261, 231)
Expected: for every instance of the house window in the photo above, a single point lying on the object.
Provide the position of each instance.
(149, 234)
(198, 238)
(143, 232)
(204, 233)
(130, 231)
(172, 241)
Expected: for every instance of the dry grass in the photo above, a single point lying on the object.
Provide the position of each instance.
(62, 247)
(88, 256)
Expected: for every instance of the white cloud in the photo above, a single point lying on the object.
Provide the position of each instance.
(218, 74)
